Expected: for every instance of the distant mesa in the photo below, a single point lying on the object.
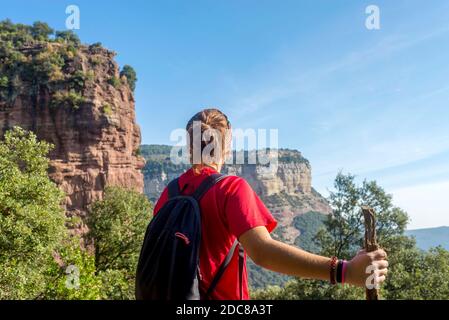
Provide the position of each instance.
(431, 237)
(288, 193)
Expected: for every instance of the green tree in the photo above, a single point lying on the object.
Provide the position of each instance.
(117, 225)
(131, 76)
(343, 232)
(41, 30)
(31, 218)
(413, 273)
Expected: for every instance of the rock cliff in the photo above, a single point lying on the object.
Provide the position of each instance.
(73, 96)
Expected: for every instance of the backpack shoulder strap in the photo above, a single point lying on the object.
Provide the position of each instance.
(173, 188)
(224, 265)
(207, 184)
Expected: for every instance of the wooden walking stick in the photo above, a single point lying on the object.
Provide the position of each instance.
(370, 243)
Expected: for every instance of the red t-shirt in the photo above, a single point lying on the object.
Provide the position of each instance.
(228, 209)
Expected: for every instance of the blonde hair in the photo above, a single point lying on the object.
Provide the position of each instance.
(209, 120)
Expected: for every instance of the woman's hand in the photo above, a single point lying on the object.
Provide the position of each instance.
(357, 271)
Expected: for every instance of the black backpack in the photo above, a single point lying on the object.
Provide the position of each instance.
(168, 267)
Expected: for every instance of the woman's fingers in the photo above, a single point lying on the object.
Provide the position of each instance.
(380, 279)
(381, 264)
(382, 272)
(379, 254)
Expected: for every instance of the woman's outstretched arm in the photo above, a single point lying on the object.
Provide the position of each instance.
(280, 257)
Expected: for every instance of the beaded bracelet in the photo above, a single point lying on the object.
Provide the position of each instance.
(334, 262)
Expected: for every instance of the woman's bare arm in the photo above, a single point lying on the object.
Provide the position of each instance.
(280, 257)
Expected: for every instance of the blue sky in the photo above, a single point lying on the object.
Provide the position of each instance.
(371, 102)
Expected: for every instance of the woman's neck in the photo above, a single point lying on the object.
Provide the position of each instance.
(216, 167)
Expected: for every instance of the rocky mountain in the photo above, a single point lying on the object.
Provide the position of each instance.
(73, 96)
(287, 192)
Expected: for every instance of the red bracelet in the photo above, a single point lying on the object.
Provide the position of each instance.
(334, 262)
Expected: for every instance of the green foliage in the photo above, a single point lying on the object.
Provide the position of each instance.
(416, 274)
(16, 34)
(149, 150)
(70, 99)
(31, 219)
(95, 60)
(107, 109)
(117, 225)
(259, 277)
(36, 250)
(41, 31)
(154, 167)
(68, 37)
(80, 79)
(158, 160)
(117, 284)
(32, 62)
(114, 81)
(413, 273)
(344, 227)
(45, 66)
(85, 286)
(96, 45)
(4, 81)
(131, 76)
(291, 156)
(308, 224)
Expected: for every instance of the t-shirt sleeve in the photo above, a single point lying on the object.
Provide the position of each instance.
(244, 210)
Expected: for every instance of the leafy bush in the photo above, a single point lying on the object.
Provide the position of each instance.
(95, 60)
(4, 82)
(4, 85)
(114, 81)
(138, 152)
(80, 79)
(70, 99)
(107, 109)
